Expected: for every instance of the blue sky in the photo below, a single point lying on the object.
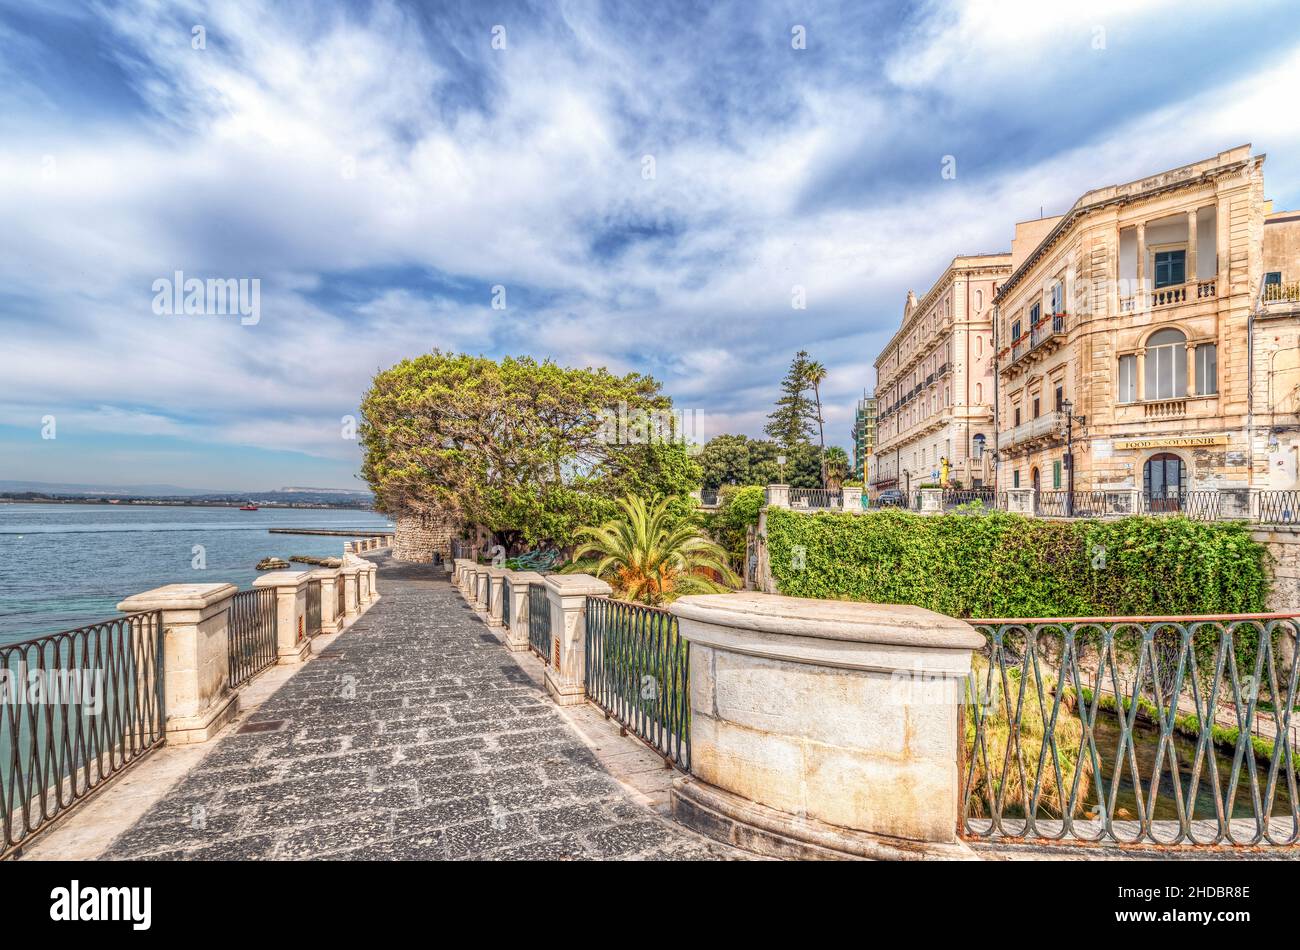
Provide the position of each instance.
(380, 167)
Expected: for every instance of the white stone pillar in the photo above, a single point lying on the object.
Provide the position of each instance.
(373, 585)
(291, 642)
(1022, 501)
(348, 577)
(566, 668)
(197, 698)
(462, 575)
(1191, 250)
(1140, 298)
(330, 621)
(824, 728)
(778, 496)
(931, 501)
(517, 632)
(852, 499)
(495, 591)
(478, 596)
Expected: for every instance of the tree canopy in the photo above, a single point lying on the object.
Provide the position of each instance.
(791, 422)
(530, 450)
(740, 460)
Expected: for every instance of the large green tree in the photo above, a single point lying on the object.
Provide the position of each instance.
(739, 460)
(791, 422)
(530, 450)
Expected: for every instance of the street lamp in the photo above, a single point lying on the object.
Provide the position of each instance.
(1067, 407)
(780, 460)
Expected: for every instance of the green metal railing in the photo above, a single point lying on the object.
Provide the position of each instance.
(251, 626)
(505, 602)
(539, 622)
(1173, 732)
(313, 608)
(76, 709)
(638, 671)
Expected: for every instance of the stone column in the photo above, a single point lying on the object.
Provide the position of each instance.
(495, 591)
(517, 633)
(1141, 381)
(852, 499)
(462, 575)
(778, 496)
(1140, 297)
(1135, 501)
(566, 668)
(197, 698)
(291, 642)
(1190, 357)
(348, 578)
(1022, 501)
(931, 501)
(330, 622)
(824, 728)
(373, 569)
(478, 596)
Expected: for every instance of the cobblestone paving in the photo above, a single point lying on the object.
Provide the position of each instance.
(423, 740)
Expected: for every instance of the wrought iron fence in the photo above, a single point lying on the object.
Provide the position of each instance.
(638, 671)
(78, 708)
(1175, 732)
(252, 633)
(821, 498)
(709, 497)
(1277, 507)
(539, 622)
(313, 608)
(953, 497)
(505, 601)
(1061, 503)
(1200, 504)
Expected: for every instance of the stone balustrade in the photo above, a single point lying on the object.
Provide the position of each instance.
(823, 728)
(198, 699)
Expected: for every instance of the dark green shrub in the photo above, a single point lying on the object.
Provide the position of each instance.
(1003, 565)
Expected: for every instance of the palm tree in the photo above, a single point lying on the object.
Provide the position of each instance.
(837, 466)
(648, 558)
(815, 373)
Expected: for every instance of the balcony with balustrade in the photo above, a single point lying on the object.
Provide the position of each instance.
(1046, 429)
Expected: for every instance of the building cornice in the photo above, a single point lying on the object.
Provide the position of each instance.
(964, 265)
(1224, 164)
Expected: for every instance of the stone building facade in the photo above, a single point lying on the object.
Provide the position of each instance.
(417, 537)
(1141, 312)
(935, 384)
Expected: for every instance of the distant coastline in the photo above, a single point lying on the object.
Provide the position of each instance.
(34, 498)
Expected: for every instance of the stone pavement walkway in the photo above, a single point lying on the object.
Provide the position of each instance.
(421, 739)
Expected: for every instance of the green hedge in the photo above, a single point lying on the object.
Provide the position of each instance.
(1003, 565)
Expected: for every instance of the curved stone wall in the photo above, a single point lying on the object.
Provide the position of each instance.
(419, 536)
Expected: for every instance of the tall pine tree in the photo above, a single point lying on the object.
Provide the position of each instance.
(791, 423)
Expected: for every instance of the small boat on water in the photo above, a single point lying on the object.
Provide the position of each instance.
(249, 507)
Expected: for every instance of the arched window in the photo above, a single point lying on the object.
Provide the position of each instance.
(1166, 376)
(1162, 480)
(978, 446)
(979, 346)
(979, 300)
(979, 394)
